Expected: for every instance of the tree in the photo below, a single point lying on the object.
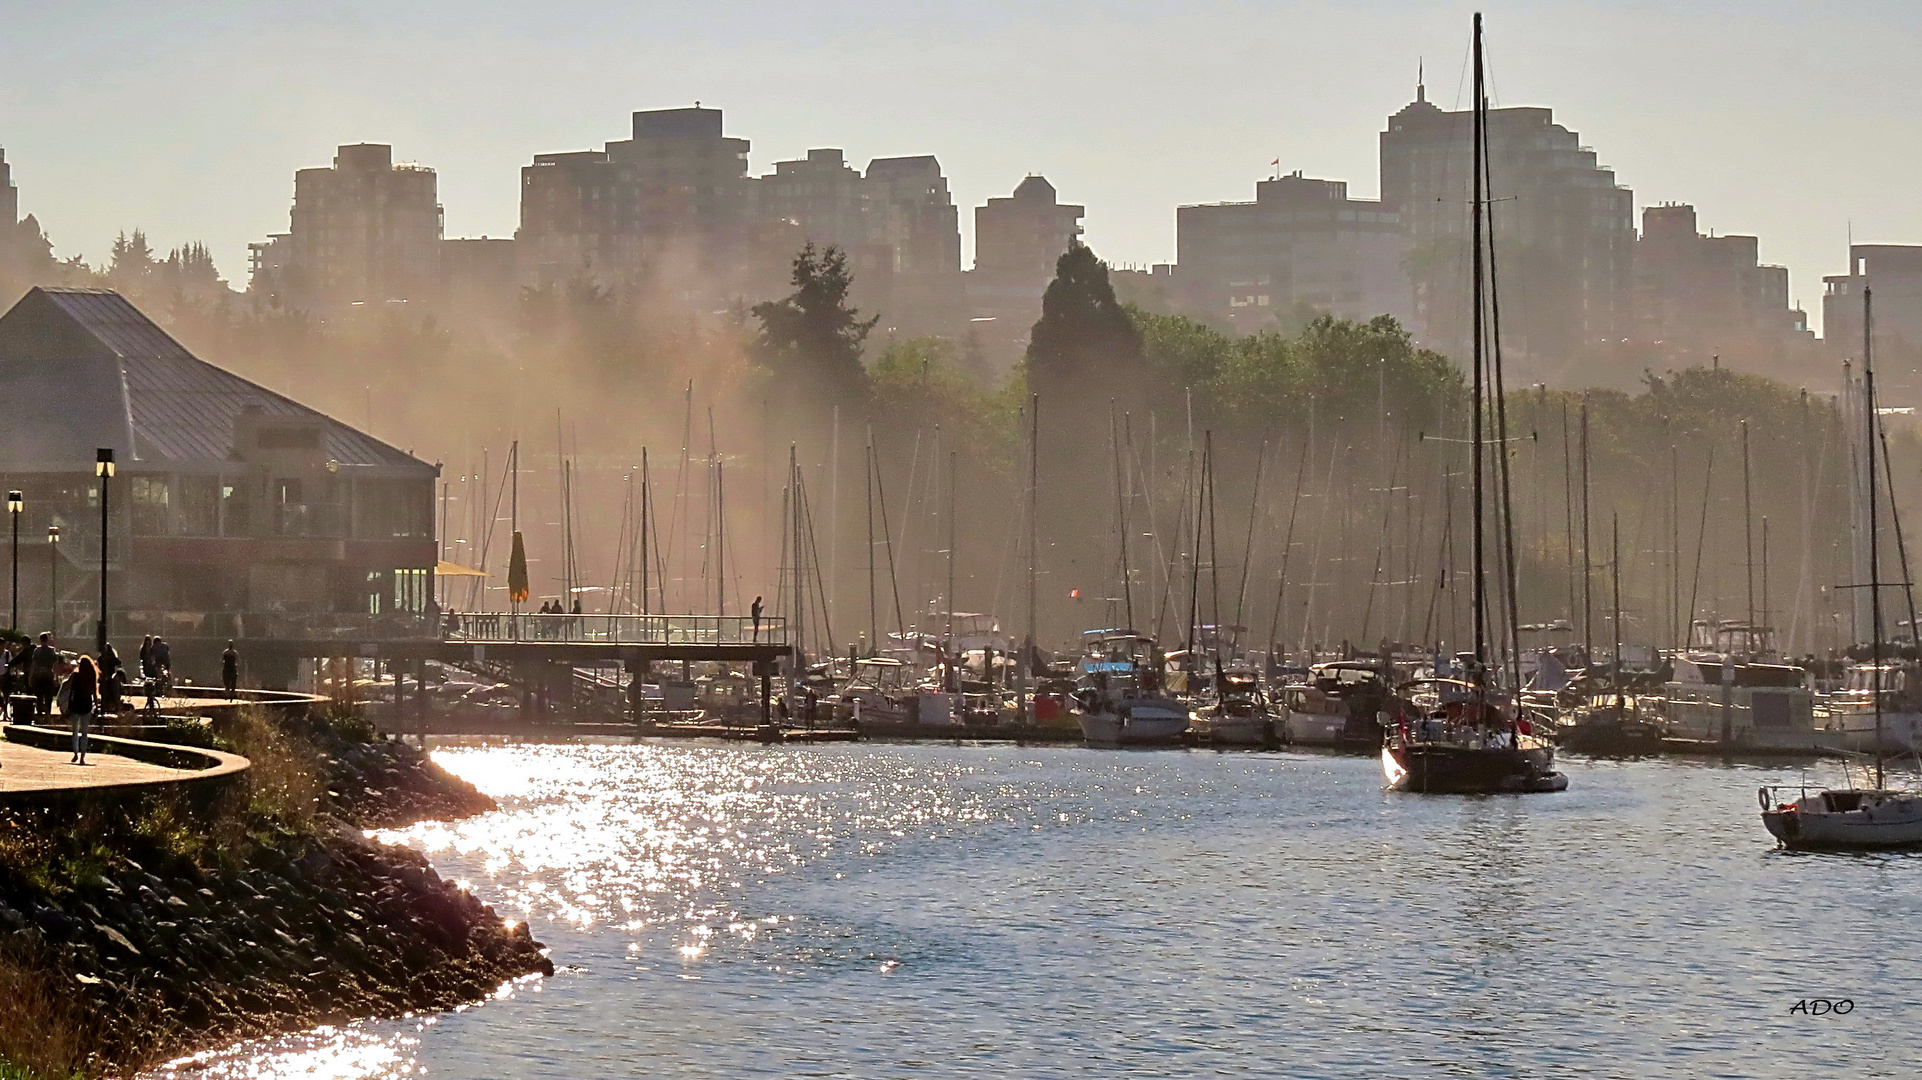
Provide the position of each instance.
(1085, 346)
(812, 339)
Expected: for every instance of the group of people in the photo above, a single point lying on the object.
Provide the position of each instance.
(82, 687)
(78, 688)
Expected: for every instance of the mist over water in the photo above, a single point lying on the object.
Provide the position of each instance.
(880, 910)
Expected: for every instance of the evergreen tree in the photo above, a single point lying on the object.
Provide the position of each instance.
(812, 339)
(1085, 346)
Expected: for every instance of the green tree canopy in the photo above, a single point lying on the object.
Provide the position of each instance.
(812, 339)
(1085, 346)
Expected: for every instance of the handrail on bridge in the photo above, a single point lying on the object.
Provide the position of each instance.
(615, 629)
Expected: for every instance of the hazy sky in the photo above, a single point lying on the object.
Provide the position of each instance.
(187, 119)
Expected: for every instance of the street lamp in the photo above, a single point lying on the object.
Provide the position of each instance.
(103, 468)
(53, 575)
(15, 503)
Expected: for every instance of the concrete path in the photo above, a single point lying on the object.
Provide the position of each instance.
(24, 768)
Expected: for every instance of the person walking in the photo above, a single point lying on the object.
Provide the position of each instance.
(163, 664)
(82, 693)
(146, 658)
(42, 679)
(230, 672)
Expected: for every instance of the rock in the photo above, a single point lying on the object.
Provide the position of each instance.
(117, 938)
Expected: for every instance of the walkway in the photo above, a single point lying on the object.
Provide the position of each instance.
(31, 769)
(23, 768)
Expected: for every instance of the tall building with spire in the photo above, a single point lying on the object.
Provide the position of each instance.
(1564, 231)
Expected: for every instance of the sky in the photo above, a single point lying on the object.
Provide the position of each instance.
(1795, 122)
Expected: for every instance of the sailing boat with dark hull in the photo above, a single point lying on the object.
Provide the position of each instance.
(1464, 736)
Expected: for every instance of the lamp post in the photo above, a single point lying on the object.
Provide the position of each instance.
(103, 468)
(15, 503)
(53, 576)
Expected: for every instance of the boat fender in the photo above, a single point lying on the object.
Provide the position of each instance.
(1762, 796)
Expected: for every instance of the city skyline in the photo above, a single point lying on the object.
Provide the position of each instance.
(1685, 115)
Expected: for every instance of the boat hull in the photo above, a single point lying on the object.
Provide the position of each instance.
(1139, 725)
(1444, 769)
(1889, 825)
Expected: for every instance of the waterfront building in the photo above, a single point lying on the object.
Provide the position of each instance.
(1302, 246)
(1017, 240)
(235, 512)
(668, 207)
(1564, 232)
(366, 231)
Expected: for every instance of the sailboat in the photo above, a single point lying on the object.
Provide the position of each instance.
(1854, 818)
(1120, 698)
(1464, 736)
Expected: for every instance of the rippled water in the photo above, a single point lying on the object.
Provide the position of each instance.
(882, 910)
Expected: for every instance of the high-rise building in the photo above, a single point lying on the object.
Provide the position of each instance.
(1302, 246)
(1017, 241)
(914, 214)
(1708, 295)
(668, 207)
(1894, 272)
(9, 215)
(1564, 231)
(913, 217)
(364, 232)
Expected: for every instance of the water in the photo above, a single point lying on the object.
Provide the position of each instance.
(934, 911)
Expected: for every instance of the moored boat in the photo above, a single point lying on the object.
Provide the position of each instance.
(1118, 696)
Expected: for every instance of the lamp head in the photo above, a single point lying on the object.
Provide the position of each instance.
(15, 502)
(103, 461)
(53, 534)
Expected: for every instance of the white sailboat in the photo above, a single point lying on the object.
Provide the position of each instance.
(1852, 818)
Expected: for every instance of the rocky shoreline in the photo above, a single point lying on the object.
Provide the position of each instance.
(140, 930)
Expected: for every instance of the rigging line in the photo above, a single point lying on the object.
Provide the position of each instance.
(1288, 539)
(1248, 547)
(1321, 520)
(1374, 578)
(1895, 515)
(887, 537)
(1701, 535)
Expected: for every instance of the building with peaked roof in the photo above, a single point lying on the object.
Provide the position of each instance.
(235, 513)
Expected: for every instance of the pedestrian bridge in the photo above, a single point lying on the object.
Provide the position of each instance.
(660, 631)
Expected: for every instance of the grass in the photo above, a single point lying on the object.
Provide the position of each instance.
(43, 1032)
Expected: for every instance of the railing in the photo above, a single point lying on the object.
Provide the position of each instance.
(275, 625)
(617, 629)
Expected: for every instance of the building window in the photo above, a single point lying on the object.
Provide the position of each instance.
(149, 505)
(199, 506)
(235, 517)
(411, 590)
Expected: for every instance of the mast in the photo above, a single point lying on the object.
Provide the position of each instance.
(953, 679)
(1875, 570)
(1588, 605)
(1475, 333)
(646, 494)
(1748, 534)
(1034, 477)
(874, 607)
(1615, 561)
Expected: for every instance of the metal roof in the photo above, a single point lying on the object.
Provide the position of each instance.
(100, 373)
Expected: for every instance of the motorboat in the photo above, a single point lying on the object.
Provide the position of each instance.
(1118, 698)
(1339, 705)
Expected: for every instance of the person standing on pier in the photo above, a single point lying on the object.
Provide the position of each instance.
(82, 691)
(41, 678)
(755, 613)
(230, 672)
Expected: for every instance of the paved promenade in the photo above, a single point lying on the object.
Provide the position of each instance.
(24, 768)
